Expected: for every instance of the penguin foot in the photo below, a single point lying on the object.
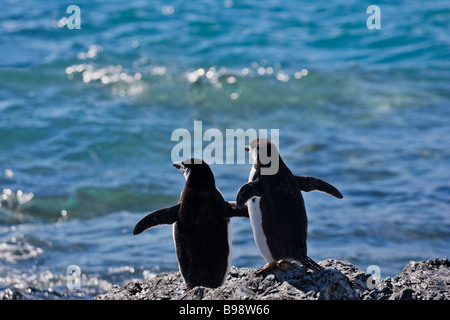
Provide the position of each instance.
(284, 265)
(268, 267)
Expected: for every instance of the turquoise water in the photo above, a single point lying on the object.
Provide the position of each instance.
(86, 118)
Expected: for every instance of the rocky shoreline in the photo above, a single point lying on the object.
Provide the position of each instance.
(424, 280)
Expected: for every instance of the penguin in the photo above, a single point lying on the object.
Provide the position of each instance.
(276, 208)
(201, 226)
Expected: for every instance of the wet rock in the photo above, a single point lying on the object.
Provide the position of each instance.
(338, 281)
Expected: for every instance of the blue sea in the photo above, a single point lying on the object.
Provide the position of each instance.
(87, 115)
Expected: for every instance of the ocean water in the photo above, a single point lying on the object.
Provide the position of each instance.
(86, 118)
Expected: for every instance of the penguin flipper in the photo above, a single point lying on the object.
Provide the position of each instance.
(230, 209)
(235, 211)
(162, 216)
(308, 184)
(248, 191)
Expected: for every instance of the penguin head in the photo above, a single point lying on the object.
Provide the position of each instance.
(197, 172)
(265, 155)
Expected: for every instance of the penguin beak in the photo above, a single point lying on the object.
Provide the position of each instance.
(247, 148)
(178, 165)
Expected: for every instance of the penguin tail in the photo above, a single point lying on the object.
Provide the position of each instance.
(309, 263)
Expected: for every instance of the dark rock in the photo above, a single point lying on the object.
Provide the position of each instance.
(338, 281)
(423, 280)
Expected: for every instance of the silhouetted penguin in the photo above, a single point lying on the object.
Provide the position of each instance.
(276, 207)
(201, 226)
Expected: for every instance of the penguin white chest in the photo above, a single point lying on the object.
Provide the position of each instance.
(258, 232)
(254, 211)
